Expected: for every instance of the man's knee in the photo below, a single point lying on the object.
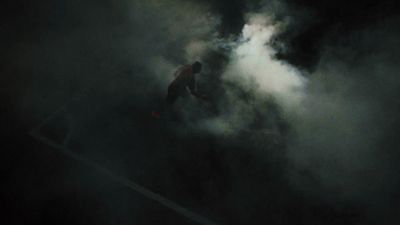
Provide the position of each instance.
(172, 96)
(170, 99)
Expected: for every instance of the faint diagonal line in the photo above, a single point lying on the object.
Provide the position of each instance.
(125, 182)
(35, 132)
(49, 118)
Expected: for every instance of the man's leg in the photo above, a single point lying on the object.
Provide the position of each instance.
(172, 95)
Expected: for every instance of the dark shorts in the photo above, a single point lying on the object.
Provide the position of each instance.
(174, 92)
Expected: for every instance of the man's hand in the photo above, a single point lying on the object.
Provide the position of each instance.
(199, 96)
(202, 97)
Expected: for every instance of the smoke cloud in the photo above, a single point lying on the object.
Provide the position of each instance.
(252, 59)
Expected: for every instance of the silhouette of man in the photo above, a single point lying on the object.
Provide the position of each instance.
(185, 80)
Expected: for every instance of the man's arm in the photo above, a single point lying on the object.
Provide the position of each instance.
(193, 89)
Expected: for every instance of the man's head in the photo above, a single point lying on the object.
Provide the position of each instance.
(196, 66)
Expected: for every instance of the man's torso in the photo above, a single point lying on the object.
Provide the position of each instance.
(183, 77)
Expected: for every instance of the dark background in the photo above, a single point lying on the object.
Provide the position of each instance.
(218, 178)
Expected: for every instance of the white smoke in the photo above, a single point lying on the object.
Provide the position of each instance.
(252, 63)
(253, 68)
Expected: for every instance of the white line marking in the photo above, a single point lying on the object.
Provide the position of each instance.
(124, 181)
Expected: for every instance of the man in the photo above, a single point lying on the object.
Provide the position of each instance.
(185, 80)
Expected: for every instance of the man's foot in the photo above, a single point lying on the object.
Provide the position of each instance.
(156, 114)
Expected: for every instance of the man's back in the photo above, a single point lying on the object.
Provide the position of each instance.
(184, 77)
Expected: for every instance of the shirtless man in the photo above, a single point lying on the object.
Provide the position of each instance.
(185, 80)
